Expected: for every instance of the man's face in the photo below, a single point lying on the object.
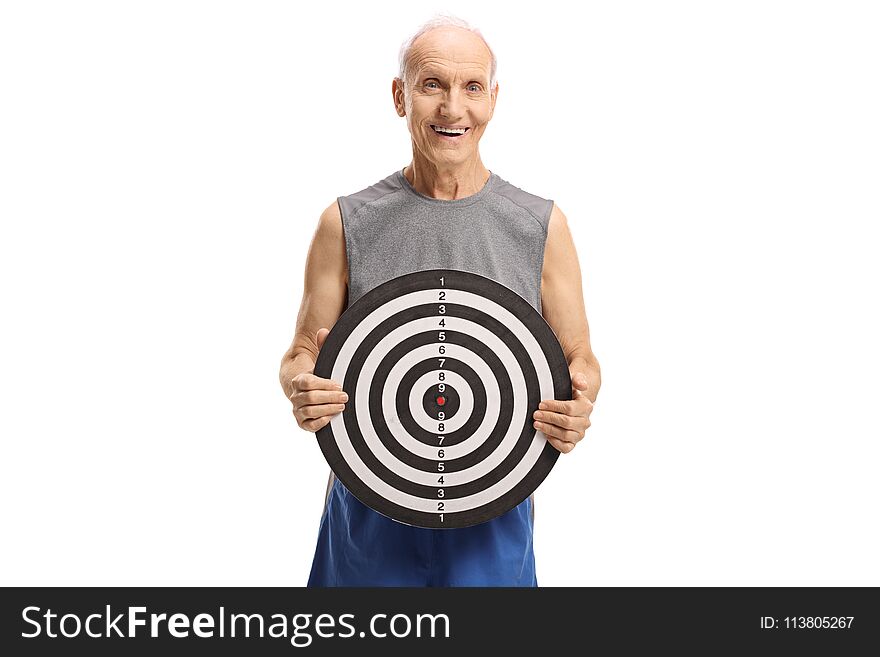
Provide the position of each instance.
(447, 85)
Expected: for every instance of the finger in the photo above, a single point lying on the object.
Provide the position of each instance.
(310, 381)
(558, 406)
(315, 424)
(570, 422)
(588, 405)
(558, 432)
(577, 407)
(318, 410)
(321, 337)
(561, 445)
(320, 397)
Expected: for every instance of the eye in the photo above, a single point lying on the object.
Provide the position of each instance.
(474, 86)
(429, 82)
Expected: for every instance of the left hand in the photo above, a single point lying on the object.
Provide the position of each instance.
(565, 422)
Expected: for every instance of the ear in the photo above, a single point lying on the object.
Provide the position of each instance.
(494, 97)
(397, 94)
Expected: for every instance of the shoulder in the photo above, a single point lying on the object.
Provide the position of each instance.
(559, 250)
(538, 206)
(330, 221)
(558, 232)
(558, 221)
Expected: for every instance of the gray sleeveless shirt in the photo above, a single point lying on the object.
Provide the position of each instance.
(392, 230)
(499, 232)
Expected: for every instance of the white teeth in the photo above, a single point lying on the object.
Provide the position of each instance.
(450, 131)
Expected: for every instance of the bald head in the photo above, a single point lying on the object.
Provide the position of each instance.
(451, 33)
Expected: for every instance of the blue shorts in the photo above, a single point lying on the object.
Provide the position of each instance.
(361, 547)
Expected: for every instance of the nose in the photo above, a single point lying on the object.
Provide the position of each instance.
(451, 105)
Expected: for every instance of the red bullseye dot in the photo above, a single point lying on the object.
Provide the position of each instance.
(441, 400)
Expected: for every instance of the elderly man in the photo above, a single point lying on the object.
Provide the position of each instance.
(443, 210)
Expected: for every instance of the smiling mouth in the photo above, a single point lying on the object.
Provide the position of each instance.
(452, 133)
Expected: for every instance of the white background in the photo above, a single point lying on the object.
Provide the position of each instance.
(164, 165)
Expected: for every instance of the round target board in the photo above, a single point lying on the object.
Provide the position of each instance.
(444, 370)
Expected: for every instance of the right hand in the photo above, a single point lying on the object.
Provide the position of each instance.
(316, 400)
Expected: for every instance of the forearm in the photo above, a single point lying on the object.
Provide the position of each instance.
(291, 366)
(589, 367)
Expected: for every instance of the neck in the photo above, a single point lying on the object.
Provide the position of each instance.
(446, 183)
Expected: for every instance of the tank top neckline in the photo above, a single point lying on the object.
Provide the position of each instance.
(467, 200)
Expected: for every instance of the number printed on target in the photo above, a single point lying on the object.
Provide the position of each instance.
(443, 370)
(441, 399)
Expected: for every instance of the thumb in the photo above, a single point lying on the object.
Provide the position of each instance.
(321, 337)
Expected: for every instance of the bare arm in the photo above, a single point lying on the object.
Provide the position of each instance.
(325, 292)
(562, 303)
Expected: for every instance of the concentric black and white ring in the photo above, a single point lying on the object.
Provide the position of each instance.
(499, 359)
